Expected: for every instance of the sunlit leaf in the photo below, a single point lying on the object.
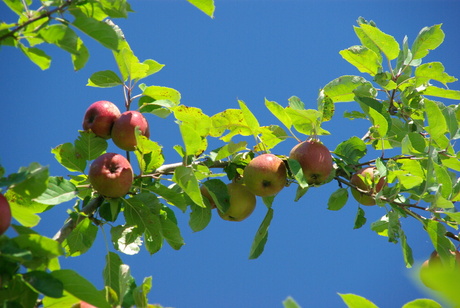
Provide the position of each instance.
(186, 179)
(354, 301)
(59, 190)
(432, 71)
(342, 88)
(363, 58)
(81, 238)
(98, 30)
(337, 199)
(89, 146)
(37, 56)
(384, 42)
(104, 79)
(68, 157)
(429, 38)
(207, 6)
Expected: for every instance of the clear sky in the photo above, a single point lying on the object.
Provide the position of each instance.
(251, 50)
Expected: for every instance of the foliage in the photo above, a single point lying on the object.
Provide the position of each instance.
(411, 134)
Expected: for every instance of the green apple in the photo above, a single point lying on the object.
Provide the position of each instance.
(242, 203)
(111, 175)
(99, 118)
(5, 214)
(265, 175)
(123, 130)
(315, 160)
(372, 185)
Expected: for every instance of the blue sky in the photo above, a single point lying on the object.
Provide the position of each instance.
(251, 50)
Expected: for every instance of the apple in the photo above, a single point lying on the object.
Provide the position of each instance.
(204, 191)
(5, 214)
(99, 118)
(242, 203)
(315, 160)
(86, 305)
(111, 175)
(265, 175)
(123, 130)
(433, 265)
(357, 180)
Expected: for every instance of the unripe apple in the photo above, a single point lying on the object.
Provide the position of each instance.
(315, 160)
(5, 214)
(111, 175)
(374, 188)
(265, 175)
(242, 203)
(434, 264)
(123, 130)
(99, 118)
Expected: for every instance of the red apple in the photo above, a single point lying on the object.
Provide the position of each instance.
(242, 203)
(86, 305)
(374, 187)
(315, 160)
(123, 130)
(99, 118)
(111, 175)
(204, 191)
(433, 265)
(265, 175)
(5, 214)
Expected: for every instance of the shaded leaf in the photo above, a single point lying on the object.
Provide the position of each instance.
(260, 239)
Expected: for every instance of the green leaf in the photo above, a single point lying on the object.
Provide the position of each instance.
(127, 239)
(432, 71)
(251, 120)
(355, 301)
(19, 290)
(306, 121)
(228, 149)
(429, 38)
(219, 193)
(342, 88)
(24, 210)
(149, 153)
(170, 231)
(295, 103)
(363, 58)
(289, 302)
(436, 121)
(80, 288)
(44, 283)
(68, 157)
(186, 179)
(81, 238)
(441, 243)
(16, 6)
(261, 237)
(337, 199)
(297, 173)
(104, 79)
(206, 6)
(35, 182)
(422, 303)
(115, 8)
(43, 249)
(62, 36)
(111, 272)
(440, 92)
(59, 190)
(89, 146)
(140, 293)
(384, 42)
(351, 150)
(162, 93)
(98, 30)
(199, 217)
(154, 67)
(129, 65)
(360, 219)
(407, 251)
(232, 120)
(37, 56)
(278, 111)
(194, 118)
(81, 57)
(172, 194)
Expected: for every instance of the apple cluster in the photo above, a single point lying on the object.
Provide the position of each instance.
(111, 174)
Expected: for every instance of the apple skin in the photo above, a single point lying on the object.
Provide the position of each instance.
(5, 214)
(204, 191)
(111, 175)
(99, 118)
(123, 130)
(357, 181)
(433, 262)
(86, 305)
(315, 160)
(265, 175)
(242, 203)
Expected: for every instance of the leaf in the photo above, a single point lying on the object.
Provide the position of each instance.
(149, 153)
(104, 79)
(24, 210)
(422, 303)
(441, 243)
(35, 182)
(355, 301)
(289, 302)
(407, 251)
(436, 121)
(44, 283)
(140, 293)
(199, 217)
(111, 272)
(80, 58)
(59, 190)
(81, 238)
(98, 30)
(62, 36)
(384, 42)
(232, 120)
(260, 239)
(80, 288)
(342, 88)
(337, 199)
(306, 121)
(228, 149)
(351, 150)
(429, 38)
(207, 6)
(297, 172)
(170, 231)
(163, 93)
(89, 146)
(360, 219)
(172, 194)
(440, 92)
(43, 249)
(129, 65)
(219, 193)
(432, 71)
(37, 56)
(363, 58)
(279, 112)
(251, 120)
(127, 239)
(194, 118)
(68, 157)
